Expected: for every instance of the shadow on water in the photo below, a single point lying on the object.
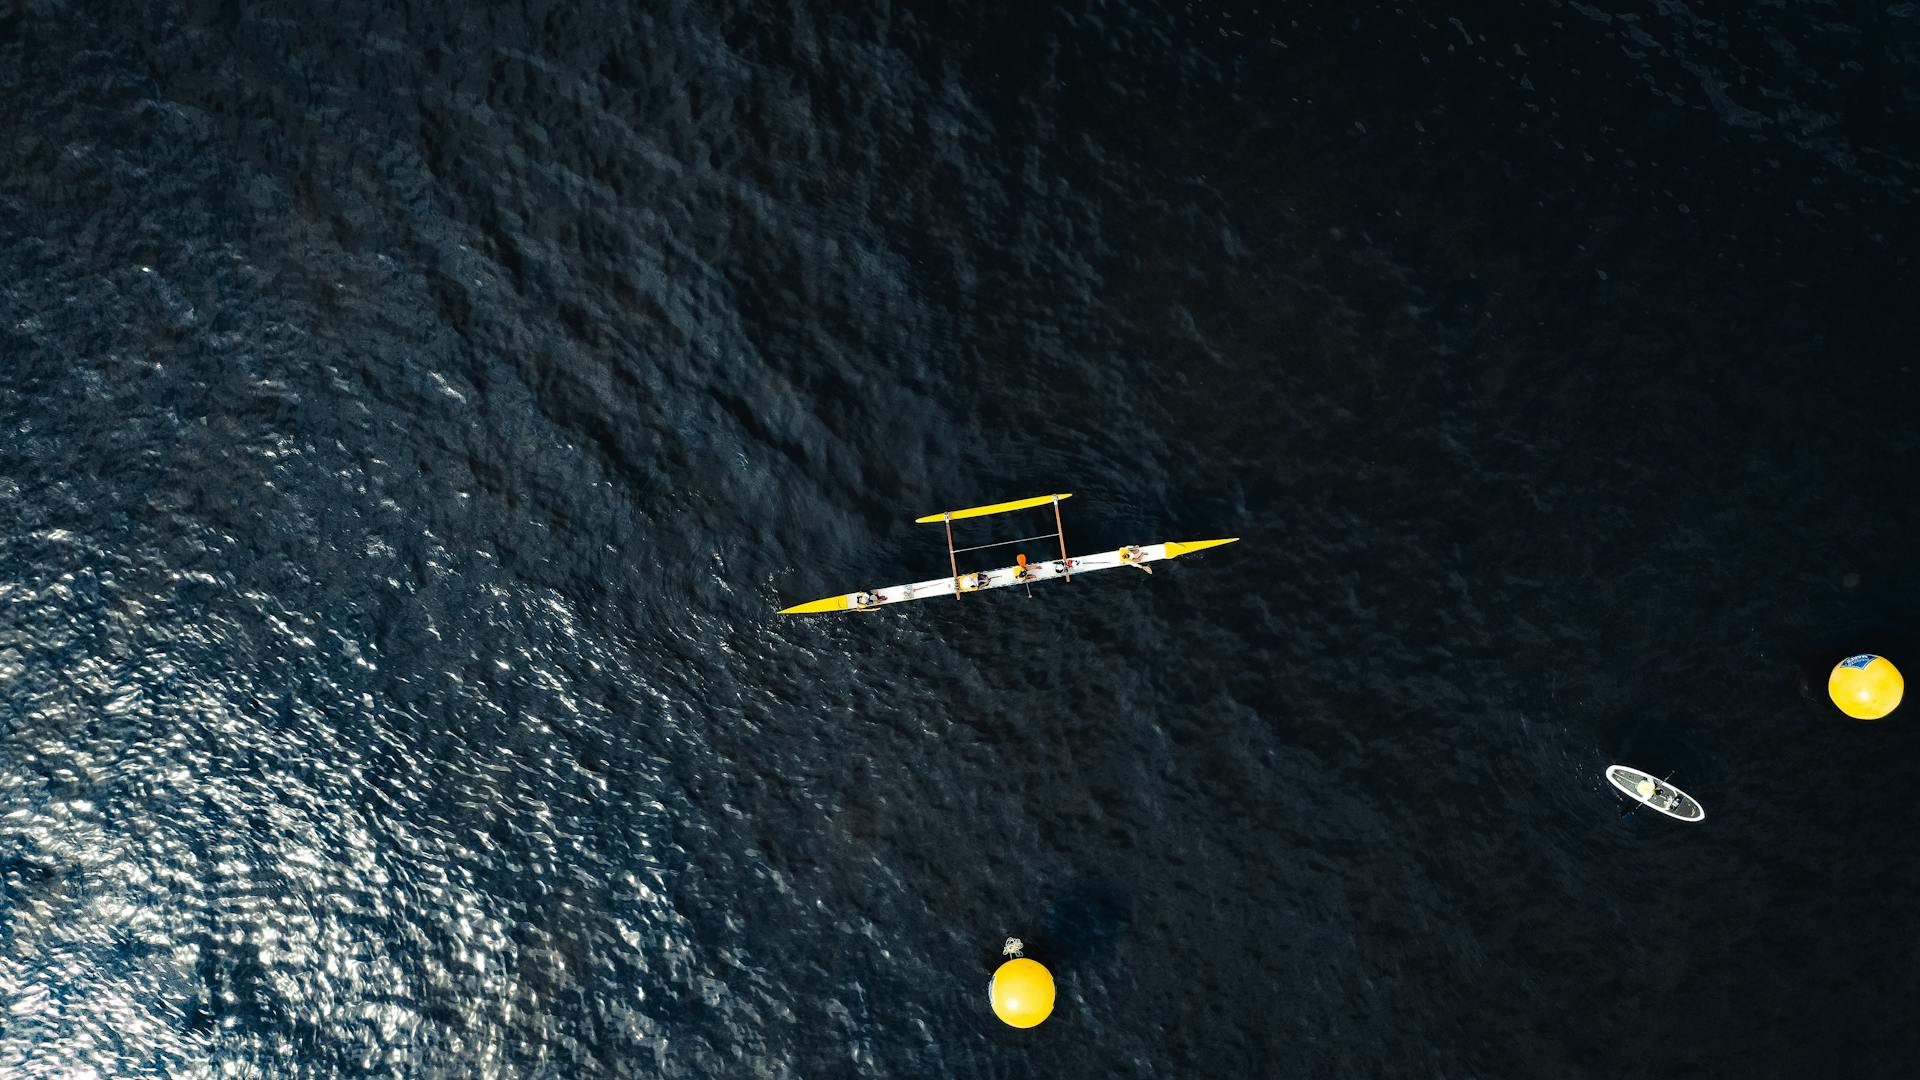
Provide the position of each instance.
(1078, 930)
(1661, 744)
(1081, 927)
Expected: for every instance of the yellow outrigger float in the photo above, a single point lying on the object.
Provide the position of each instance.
(1022, 573)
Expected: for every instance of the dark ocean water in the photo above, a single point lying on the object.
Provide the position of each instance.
(412, 415)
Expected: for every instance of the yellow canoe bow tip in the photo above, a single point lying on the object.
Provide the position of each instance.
(991, 508)
(1175, 549)
(831, 603)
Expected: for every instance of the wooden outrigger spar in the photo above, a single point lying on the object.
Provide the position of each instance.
(1022, 573)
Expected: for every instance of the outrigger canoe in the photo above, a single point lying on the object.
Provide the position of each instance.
(1024, 573)
(1658, 794)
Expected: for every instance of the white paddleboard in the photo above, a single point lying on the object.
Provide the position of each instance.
(1649, 791)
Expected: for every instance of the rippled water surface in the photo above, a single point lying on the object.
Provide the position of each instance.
(412, 416)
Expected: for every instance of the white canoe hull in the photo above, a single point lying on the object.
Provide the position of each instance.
(1038, 570)
(1666, 798)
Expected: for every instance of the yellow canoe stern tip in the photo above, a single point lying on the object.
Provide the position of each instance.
(1175, 549)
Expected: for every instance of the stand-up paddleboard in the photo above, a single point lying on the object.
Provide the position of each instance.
(1659, 794)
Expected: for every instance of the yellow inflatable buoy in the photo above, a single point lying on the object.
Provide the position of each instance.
(1022, 992)
(1866, 687)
